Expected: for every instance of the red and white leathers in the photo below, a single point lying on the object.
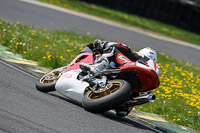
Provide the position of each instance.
(133, 56)
(108, 51)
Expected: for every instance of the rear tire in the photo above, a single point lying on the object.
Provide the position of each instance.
(47, 82)
(118, 91)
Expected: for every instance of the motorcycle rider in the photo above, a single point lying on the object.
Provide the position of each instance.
(108, 49)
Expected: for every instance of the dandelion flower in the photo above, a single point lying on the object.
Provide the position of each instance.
(36, 47)
(25, 52)
(17, 43)
(49, 56)
(125, 16)
(44, 57)
(71, 43)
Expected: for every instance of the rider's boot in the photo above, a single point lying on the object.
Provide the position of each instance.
(122, 112)
(95, 69)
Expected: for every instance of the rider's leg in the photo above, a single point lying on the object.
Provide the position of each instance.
(95, 69)
(100, 64)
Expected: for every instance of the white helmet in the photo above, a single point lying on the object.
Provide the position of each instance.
(150, 53)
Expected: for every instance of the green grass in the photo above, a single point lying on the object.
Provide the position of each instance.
(128, 19)
(178, 96)
(51, 49)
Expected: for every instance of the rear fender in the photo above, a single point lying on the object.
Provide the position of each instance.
(148, 78)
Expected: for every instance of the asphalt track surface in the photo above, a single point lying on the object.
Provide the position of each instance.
(43, 17)
(23, 109)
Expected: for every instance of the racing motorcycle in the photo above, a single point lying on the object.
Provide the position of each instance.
(122, 86)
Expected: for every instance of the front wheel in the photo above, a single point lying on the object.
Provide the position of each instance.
(98, 100)
(47, 82)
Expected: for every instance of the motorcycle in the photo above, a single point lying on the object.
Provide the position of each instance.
(122, 86)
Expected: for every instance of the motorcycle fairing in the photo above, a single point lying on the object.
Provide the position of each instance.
(70, 86)
(86, 57)
(147, 77)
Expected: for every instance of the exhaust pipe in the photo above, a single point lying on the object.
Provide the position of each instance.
(141, 100)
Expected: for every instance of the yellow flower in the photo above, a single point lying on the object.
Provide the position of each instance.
(17, 43)
(125, 16)
(18, 23)
(68, 50)
(49, 56)
(157, 91)
(178, 119)
(36, 47)
(80, 48)
(44, 57)
(189, 112)
(25, 52)
(13, 35)
(71, 43)
(46, 46)
(0, 22)
(66, 40)
(33, 33)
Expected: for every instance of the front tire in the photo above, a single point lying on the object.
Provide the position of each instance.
(118, 91)
(47, 82)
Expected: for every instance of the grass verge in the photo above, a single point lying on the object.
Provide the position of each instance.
(178, 96)
(128, 19)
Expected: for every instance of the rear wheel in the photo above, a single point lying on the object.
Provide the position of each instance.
(101, 100)
(47, 82)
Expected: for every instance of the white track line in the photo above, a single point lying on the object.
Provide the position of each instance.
(108, 22)
(17, 69)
